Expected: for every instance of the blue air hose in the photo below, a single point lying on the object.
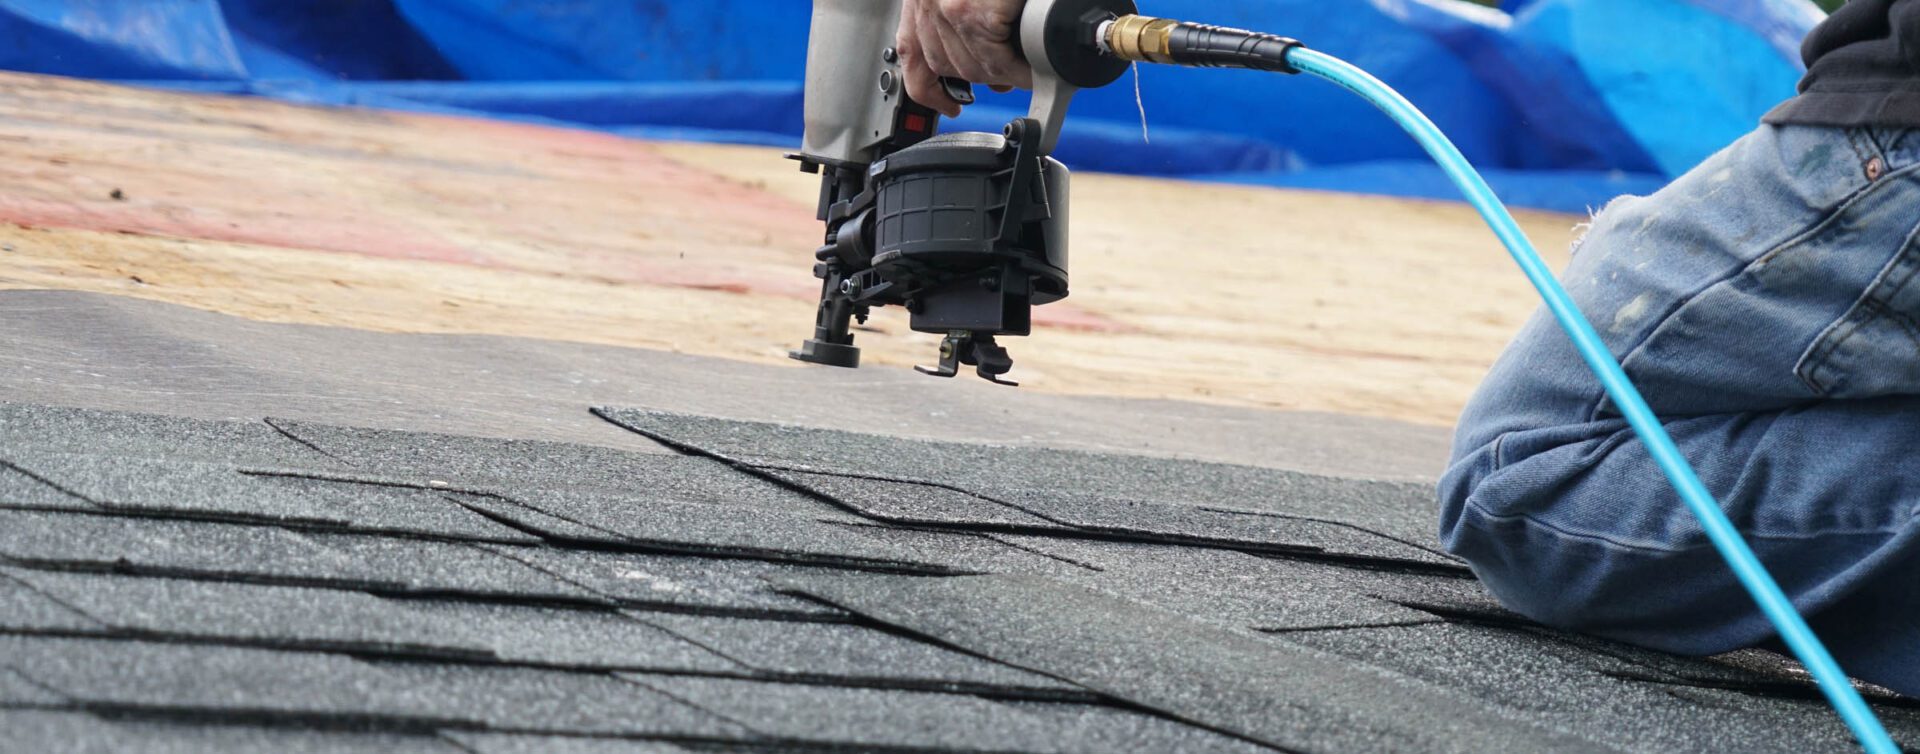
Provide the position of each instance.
(1792, 627)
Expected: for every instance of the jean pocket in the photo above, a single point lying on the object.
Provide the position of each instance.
(1874, 349)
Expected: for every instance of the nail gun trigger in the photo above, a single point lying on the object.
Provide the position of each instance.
(960, 90)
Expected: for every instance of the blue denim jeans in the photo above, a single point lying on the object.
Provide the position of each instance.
(1767, 304)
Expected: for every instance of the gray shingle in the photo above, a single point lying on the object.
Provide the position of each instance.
(291, 616)
(912, 503)
(1238, 590)
(23, 608)
(45, 732)
(1398, 509)
(157, 486)
(546, 701)
(450, 568)
(1527, 674)
(17, 488)
(273, 555)
(582, 638)
(729, 585)
(237, 683)
(506, 743)
(1289, 697)
(120, 674)
(541, 524)
(251, 612)
(1185, 523)
(502, 648)
(968, 552)
(114, 433)
(383, 508)
(831, 716)
(458, 458)
(846, 651)
(718, 529)
(72, 540)
(17, 690)
(1118, 730)
(513, 466)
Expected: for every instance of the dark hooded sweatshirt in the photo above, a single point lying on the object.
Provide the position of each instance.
(1863, 68)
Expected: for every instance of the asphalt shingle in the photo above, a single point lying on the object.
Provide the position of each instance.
(734, 586)
(61, 429)
(912, 503)
(514, 466)
(1238, 590)
(581, 638)
(17, 690)
(330, 618)
(48, 732)
(970, 552)
(507, 743)
(312, 587)
(218, 680)
(1402, 510)
(112, 542)
(548, 701)
(725, 530)
(197, 681)
(24, 608)
(850, 717)
(1290, 698)
(150, 486)
(847, 651)
(1527, 673)
(18, 488)
(460, 569)
(249, 613)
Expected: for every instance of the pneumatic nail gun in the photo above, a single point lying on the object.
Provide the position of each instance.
(966, 231)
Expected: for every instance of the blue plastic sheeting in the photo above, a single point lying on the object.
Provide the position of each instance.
(1558, 98)
(1654, 65)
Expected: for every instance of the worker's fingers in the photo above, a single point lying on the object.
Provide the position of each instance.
(966, 56)
(923, 85)
(988, 29)
(1001, 88)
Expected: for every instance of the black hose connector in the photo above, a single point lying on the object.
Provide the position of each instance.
(1222, 47)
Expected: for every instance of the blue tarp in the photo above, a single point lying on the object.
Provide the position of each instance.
(1565, 102)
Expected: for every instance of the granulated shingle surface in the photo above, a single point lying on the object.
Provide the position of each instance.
(506, 743)
(304, 586)
(1216, 677)
(843, 650)
(79, 732)
(667, 582)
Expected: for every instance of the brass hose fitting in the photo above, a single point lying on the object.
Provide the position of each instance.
(1140, 39)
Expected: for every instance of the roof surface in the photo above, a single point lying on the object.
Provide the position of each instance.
(293, 584)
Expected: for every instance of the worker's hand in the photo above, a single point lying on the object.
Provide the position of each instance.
(965, 39)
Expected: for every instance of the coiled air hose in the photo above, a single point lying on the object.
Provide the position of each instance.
(1152, 40)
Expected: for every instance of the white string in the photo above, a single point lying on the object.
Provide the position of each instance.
(1141, 103)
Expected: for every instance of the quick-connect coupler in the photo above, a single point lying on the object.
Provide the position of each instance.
(1145, 39)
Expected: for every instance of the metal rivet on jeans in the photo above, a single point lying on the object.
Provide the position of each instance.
(1875, 167)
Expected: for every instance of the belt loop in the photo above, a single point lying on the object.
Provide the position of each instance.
(1873, 163)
